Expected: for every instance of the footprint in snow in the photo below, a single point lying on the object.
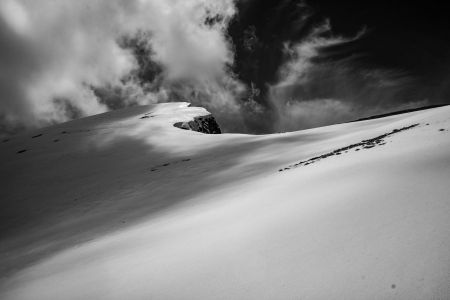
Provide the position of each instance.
(168, 164)
(146, 116)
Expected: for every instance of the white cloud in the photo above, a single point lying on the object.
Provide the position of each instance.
(15, 16)
(311, 113)
(58, 49)
(297, 94)
(297, 68)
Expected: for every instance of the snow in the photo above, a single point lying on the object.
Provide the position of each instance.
(129, 208)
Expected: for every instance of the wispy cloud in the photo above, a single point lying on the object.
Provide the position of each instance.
(316, 89)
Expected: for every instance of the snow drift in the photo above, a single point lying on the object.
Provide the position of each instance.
(124, 205)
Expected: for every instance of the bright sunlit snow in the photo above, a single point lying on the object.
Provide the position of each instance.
(123, 205)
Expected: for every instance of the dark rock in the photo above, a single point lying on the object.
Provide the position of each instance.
(204, 124)
(365, 144)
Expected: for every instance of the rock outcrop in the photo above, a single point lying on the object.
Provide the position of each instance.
(205, 124)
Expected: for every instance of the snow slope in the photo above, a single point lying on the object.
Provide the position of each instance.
(121, 207)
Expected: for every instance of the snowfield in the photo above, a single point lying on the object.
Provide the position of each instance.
(117, 206)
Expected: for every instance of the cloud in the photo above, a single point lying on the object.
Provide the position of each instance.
(66, 59)
(316, 87)
(55, 53)
(311, 113)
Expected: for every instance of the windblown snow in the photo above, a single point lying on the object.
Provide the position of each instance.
(124, 205)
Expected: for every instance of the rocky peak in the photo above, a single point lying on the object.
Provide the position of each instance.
(205, 124)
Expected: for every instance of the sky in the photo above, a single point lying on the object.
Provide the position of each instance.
(260, 66)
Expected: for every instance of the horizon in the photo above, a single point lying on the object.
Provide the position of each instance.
(268, 66)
